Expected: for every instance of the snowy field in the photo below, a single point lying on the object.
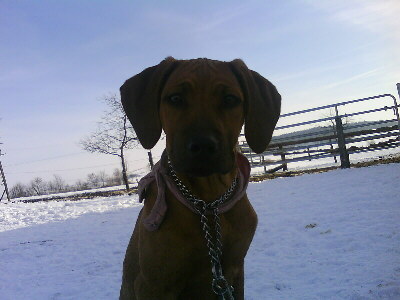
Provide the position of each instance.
(333, 235)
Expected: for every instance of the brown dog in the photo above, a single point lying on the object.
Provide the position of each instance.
(201, 105)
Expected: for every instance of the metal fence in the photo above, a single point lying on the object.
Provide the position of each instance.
(336, 134)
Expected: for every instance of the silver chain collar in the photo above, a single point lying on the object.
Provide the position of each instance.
(220, 285)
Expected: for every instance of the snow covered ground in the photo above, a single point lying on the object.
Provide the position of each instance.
(74, 193)
(333, 235)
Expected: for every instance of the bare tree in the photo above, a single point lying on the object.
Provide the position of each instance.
(93, 180)
(19, 190)
(57, 185)
(102, 177)
(113, 135)
(81, 185)
(38, 186)
(116, 178)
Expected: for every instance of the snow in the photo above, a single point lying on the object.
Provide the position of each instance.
(333, 235)
(19, 214)
(69, 194)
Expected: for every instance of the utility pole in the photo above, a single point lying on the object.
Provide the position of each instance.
(150, 159)
(4, 182)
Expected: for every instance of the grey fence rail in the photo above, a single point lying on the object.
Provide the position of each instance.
(328, 132)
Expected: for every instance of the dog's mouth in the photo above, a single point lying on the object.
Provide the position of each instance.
(200, 172)
(202, 168)
(192, 169)
(201, 155)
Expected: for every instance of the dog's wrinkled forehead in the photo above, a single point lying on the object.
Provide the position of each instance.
(202, 71)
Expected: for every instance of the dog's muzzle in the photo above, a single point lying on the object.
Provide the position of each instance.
(202, 148)
(202, 155)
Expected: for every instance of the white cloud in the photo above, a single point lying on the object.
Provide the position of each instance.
(381, 17)
(352, 78)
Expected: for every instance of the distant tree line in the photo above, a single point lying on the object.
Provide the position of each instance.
(38, 186)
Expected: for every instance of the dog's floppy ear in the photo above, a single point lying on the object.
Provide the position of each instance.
(262, 106)
(140, 96)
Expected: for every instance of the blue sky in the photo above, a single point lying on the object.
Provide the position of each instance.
(58, 58)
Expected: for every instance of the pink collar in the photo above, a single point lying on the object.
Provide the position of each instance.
(160, 174)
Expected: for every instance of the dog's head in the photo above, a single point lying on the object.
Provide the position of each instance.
(201, 105)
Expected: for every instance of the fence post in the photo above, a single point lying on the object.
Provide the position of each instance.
(283, 158)
(334, 156)
(396, 110)
(150, 159)
(263, 163)
(344, 155)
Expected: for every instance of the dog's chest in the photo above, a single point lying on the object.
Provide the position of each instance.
(235, 229)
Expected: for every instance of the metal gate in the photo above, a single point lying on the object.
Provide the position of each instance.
(335, 134)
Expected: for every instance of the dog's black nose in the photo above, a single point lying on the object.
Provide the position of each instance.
(202, 146)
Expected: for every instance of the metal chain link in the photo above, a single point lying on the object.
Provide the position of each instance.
(220, 285)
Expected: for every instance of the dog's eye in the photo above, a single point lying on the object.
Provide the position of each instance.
(175, 100)
(230, 101)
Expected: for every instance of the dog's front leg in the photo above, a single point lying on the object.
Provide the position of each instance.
(238, 284)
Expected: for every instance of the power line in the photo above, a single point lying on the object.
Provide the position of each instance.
(66, 170)
(54, 157)
(44, 159)
(62, 170)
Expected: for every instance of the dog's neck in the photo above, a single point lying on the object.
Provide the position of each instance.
(209, 188)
